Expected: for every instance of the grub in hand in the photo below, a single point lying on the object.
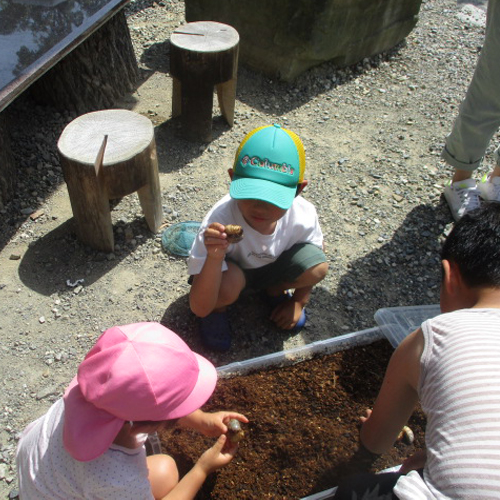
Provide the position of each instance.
(235, 432)
(234, 233)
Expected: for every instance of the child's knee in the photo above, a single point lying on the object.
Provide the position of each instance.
(320, 271)
(315, 274)
(228, 295)
(232, 284)
(163, 474)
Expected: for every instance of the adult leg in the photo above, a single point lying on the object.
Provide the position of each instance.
(489, 185)
(478, 119)
(496, 170)
(479, 114)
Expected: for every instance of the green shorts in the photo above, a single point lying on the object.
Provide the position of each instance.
(287, 267)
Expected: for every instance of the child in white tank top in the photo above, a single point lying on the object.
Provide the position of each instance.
(452, 366)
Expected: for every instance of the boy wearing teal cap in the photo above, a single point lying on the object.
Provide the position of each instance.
(282, 244)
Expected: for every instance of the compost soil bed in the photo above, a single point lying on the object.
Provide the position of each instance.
(304, 425)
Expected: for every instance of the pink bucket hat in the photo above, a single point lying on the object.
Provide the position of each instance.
(142, 371)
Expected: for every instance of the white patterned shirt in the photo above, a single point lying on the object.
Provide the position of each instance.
(46, 471)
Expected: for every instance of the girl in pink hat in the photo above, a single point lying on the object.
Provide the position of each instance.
(90, 444)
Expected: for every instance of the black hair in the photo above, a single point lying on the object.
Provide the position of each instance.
(474, 246)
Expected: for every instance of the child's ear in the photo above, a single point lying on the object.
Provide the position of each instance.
(452, 279)
(455, 294)
(446, 275)
(301, 186)
(230, 171)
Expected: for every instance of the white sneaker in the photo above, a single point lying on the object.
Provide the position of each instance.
(462, 197)
(489, 188)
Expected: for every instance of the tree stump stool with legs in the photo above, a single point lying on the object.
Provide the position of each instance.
(107, 155)
(203, 55)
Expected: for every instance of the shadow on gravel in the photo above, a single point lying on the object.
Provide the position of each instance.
(271, 96)
(253, 332)
(405, 271)
(34, 134)
(174, 151)
(157, 57)
(275, 97)
(58, 257)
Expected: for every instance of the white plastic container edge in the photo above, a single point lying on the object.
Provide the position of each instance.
(302, 353)
(397, 322)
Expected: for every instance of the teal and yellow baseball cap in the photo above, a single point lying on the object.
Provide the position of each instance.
(268, 166)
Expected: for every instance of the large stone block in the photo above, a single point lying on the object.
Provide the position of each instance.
(283, 38)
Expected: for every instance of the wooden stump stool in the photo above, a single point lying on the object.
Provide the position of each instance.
(203, 55)
(106, 155)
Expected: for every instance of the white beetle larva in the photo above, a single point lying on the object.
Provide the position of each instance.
(234, 233)
(406, 435)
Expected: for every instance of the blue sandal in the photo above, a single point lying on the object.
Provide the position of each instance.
(302, 321)
(274, 301)
(215, 331)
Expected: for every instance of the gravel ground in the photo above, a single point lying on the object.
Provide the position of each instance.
(373, 134)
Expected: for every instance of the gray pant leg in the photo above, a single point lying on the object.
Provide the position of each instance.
(479, 114)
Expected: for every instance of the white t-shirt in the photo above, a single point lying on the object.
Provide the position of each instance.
(459, 390)
(299, 225)
(47, 471)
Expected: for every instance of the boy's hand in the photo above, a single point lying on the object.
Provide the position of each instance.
(220, 454)
(215, 241)
(286, 314)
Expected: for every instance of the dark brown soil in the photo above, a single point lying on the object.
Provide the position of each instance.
(303, 432)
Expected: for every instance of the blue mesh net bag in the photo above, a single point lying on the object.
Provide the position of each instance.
(178, 238)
